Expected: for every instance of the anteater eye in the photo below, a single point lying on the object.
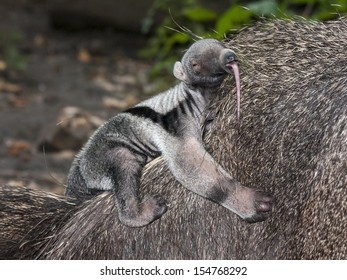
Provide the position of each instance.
(196, 66)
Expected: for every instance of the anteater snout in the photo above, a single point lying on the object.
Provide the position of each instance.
(231, 57)
(227, 57)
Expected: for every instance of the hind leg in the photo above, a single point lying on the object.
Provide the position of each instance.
(126, 174)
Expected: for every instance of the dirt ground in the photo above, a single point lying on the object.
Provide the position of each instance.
(95, 70)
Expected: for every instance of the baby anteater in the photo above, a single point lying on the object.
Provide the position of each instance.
(168, 125)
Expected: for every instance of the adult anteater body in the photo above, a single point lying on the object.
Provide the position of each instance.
(291, 141)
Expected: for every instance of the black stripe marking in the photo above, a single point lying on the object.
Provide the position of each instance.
(145, 112)
(145, 148)
(191, 100)
(120, 144)
(190, 108)
(183, 110)
(138, 147)
(169, 121)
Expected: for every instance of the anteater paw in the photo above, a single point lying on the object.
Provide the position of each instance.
(154, 205)
(262, 205)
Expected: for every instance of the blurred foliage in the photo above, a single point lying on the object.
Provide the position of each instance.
(10, 54)
(184, 18)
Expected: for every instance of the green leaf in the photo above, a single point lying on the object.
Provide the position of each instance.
(199, 14)
(177, 38)
(340, 6)
(263, 8)
(234, 17)
(302, 1)
(323, 15)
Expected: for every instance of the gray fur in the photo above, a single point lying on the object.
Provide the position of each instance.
(291, 141)
(169, 124)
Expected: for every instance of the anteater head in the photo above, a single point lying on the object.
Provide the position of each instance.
(205, 64)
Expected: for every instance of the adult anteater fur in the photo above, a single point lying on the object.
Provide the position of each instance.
(291, 141)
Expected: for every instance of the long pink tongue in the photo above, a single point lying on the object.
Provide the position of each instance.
(238, 88)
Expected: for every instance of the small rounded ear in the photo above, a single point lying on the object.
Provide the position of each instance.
(179, 72)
